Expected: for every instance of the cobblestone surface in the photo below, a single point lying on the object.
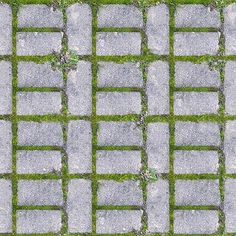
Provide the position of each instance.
(117, 117)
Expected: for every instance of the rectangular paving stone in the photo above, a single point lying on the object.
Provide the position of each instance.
(31, 74)
(196, 16)
(5, 206)
(79, 28)
(5, 88)
(39, 134)
(79, 89)
(230, 205)
(158, 206)
(118, 43)
(157, 88)
(196, 162)
(5, 29)
(188, 74)
(197, 134)
(197, 192)
(230, 29)
(229, 87)
(39, 16)
(79, 147)
(196, 103)
(118, 221)
(229, 147)
(5, 147)
(38, 43)
(115, 193)
(119, 134)
(111, 74)
(157, 29)
(196, 222)
(40, 192)
(79, 206)
(118, 162)
(118, 103)
(196, 43)
(38, 221)
(158, 147)
(38, 162)
(119, 16)
(38, 103)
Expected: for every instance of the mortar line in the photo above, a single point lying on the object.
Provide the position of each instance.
(64, 123)
(222, 130)
(94, 118)
(171, 120)
(144, 158)
(14, 114)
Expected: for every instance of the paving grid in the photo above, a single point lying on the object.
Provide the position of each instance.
(145, 59)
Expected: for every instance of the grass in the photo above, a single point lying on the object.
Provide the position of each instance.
(66, 60)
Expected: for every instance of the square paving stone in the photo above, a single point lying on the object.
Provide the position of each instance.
(118, 43)
(31, 16)
(38, 221)
(118, 103)
(118, 221)
(119, 16)
(196, 222)
(119, 193)
(40, 192)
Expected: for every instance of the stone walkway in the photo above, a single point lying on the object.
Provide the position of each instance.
(117, 119)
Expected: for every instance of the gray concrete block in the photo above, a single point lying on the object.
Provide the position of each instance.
(111, 74)
(38, 43)
(196, 16)
(39, 16)
(188, 74)
(79, 28)
(5, 147)
(230, 29)
(157, 29)
(196, 43)
(118, 162)
(196, 103)
(158, 206)
(5, 206)
(40, 193)
(115, 193)
(157, 88)
(119, 16)
(79, 206)
(229, 147)
(5, 29)
(119, 134)
(196, 162)
(230, 205)
(118, 43)
(31, 74)
(38, 103)
(197, 134)
(79, 147)
(38, 221)
(229, 88)
(118, 103)
(158, 147)
(79, 89)
(197, 192)
(39, 134)
(38, 162)
(196, 222)
(5, 88)
(118, 221)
